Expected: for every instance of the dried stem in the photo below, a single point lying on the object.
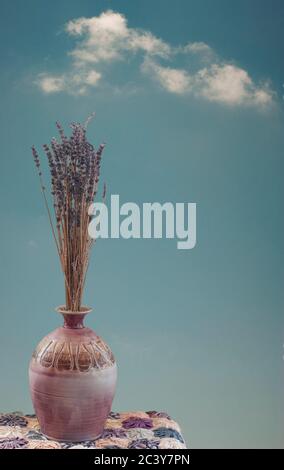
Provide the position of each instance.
(74, 166)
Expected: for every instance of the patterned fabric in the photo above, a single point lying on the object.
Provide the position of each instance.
(127, 430)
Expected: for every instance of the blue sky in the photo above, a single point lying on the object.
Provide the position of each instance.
(188, 97)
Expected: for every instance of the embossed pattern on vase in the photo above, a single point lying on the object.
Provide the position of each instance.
(68, 355)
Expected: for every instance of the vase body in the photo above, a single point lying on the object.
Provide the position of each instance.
(72, 377)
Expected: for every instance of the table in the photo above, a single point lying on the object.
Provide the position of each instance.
(125, 430)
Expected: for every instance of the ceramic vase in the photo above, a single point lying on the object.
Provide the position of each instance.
(72, 378)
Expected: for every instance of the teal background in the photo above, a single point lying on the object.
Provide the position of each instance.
(196, 333)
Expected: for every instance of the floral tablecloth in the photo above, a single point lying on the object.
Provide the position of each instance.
(129, 430)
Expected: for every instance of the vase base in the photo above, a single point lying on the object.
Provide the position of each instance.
(75, 441)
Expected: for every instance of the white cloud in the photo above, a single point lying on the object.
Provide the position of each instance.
(148, 43)
(50, 83)
(264, 96)
(231, 85)
(74, 83)
(92, 78)
(226, 84)
(107, 38)
(197, 48)
(172, 80)
(103, 37)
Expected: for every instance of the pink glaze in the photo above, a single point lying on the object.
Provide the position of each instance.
(72, 381)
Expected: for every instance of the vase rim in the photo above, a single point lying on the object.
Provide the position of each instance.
(83, 311)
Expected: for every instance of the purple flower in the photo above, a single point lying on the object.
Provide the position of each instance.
(88, 444)
(34, 435)
(116, 432)
(168, 432)
(13, 419)
(158, 414)
(113, 415)
(134, 422)
(13, 443)
(144, 444)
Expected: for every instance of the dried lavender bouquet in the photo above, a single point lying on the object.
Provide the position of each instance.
(74, 166)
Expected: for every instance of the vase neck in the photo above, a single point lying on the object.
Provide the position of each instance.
(73, 320)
